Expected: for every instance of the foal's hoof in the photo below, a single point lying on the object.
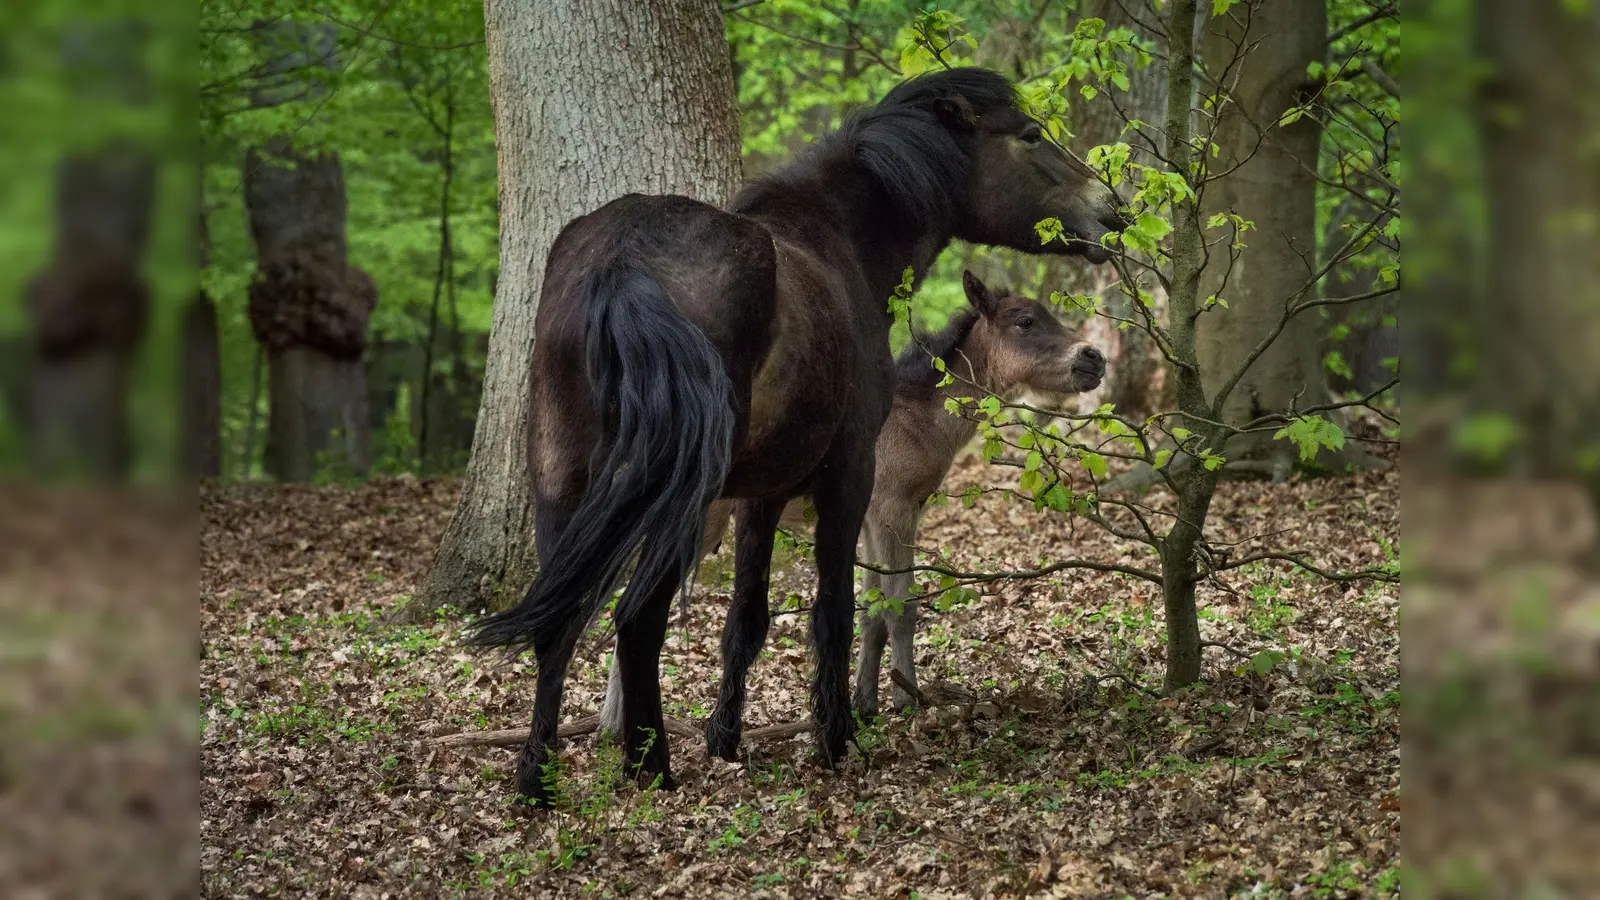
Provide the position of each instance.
(865, 706)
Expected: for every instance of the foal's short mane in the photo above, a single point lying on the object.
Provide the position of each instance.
(906, 142)
(914, 371)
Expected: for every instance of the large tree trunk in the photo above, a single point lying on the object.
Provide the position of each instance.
(1274, 187)
(90, 305)
(89, 309)
(592, 99)
(308, 306)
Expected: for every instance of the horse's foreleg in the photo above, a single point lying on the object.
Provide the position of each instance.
(874, 629)
(842, 496)
(554, 655)
(637, 665)
(746, 630)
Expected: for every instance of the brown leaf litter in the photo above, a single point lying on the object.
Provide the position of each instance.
(1063, 774)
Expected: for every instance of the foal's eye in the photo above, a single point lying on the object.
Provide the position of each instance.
(1025, 323)
(1033, 135)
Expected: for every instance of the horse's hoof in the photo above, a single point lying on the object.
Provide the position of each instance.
(657, 781)
(534, 797)
(833, 739)
(534, 788)
(724, 746)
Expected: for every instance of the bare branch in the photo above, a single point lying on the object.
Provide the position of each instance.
(1383, 79)
(1021, 574)
(1388, 10)
(1373, 573)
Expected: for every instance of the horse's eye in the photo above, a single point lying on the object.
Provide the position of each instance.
(1033, 135)
(1025, 323)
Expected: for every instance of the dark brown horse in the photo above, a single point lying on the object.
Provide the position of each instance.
(687, 353)
(1001, 344)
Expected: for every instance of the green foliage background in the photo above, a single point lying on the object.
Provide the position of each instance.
(405, 69)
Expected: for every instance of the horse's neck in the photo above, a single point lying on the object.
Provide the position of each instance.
(841, 200)
(968, 363)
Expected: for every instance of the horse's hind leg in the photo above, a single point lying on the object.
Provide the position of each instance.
(746, 629)
(842, 492)
(638, 664)
(710, 541)
(554, 655)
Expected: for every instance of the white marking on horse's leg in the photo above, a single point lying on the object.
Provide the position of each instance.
(611, 709)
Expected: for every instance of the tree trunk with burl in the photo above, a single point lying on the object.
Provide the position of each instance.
(309, 307)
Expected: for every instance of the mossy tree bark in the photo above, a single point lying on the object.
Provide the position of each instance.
(592, 100)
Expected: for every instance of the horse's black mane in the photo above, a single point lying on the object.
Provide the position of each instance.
(915, 155)
(914, 369)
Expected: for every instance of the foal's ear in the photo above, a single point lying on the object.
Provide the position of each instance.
(978, 294)
(956, 110)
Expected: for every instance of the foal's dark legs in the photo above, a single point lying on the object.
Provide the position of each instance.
(748, 617)
(842, 492)
(644, 727)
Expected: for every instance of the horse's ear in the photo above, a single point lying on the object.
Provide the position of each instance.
(956, 110)
(978, 294)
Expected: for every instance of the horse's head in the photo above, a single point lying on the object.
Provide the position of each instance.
(1011, 175)
(1021, 177)
(1026, 348)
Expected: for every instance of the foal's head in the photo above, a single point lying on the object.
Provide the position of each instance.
(1026, 348)
(1002, 174)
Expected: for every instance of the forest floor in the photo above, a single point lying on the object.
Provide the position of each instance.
(1074, 779)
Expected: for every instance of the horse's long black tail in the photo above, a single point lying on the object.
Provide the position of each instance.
(667, 403)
